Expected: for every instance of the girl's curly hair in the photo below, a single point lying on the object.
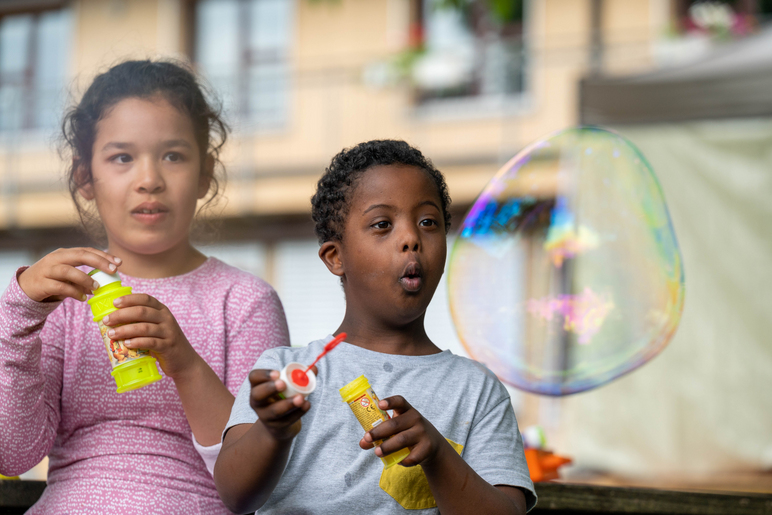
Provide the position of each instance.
(171, 80)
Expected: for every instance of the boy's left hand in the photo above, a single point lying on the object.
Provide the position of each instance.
(145, 323)
(407, 428)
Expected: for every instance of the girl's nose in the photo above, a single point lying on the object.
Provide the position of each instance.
(149, 178)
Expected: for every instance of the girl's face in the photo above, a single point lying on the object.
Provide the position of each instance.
(392, 254)
(147, 176)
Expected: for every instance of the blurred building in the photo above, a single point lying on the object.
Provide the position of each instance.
(302, 79)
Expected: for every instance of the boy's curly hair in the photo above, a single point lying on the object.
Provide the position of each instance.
(331, 202)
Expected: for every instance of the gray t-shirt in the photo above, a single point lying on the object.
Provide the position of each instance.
(328, 472)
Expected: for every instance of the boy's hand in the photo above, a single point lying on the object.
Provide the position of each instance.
(145, 323)
(281, 417)
(56, 275)
(407, 428)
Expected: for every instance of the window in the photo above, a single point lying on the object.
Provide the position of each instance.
(470, 49)
(312, 297)
(34, 57)
(242, 47)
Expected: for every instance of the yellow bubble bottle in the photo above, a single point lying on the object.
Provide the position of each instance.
(362, 400)
(132, 368)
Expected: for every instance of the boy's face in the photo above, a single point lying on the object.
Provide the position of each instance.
(392, 255)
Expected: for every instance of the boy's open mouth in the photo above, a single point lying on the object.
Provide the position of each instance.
(411, 277)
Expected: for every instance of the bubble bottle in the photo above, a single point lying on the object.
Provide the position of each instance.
(362, 400)
(132, 368)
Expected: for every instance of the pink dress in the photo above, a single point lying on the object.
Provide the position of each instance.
(130, 452)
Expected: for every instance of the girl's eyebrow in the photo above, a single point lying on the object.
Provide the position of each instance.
(117, 144)
(177, 143)
(120, 145)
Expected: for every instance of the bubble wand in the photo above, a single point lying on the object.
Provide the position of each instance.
(298, 380)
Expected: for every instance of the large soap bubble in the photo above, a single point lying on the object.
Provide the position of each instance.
(566, 273)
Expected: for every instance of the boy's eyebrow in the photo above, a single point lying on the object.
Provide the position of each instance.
(389, 206)
(376, 206)
(430, 203)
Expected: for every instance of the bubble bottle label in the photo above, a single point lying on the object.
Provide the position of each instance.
(132, 368)
(363, 402)
(116, 350)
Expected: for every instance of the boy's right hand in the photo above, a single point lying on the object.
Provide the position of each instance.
(281, 417)
(55, 276)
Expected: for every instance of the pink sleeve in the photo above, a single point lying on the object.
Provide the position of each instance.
(257, 324)
(30, 378)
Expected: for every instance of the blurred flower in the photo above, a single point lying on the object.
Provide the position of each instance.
(718, 20)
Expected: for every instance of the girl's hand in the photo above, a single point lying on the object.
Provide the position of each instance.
(407, 428)
(145, 323)
(281, 417)
(55, 276)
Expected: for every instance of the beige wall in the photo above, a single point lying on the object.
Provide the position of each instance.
(331, 106)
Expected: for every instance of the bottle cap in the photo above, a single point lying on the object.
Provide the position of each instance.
(110, 288)
(103, 278)
(352, 390)
(395, 457)
(136, 374)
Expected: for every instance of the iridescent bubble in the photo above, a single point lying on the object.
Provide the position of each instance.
(566, 273)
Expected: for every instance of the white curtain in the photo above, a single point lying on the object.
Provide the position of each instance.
(705, 404)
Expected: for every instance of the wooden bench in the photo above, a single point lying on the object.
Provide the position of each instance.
(554, 499)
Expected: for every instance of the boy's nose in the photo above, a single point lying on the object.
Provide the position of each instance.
(411, 241)
(149, 178)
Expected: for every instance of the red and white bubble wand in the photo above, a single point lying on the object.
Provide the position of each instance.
(302, 380)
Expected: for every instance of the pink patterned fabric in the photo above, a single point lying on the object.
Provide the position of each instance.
(130, 452)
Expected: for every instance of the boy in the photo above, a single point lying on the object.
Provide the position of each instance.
(381, 213)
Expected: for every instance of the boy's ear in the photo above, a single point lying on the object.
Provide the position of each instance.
(205, 179)
(330, 255)
(87, 189)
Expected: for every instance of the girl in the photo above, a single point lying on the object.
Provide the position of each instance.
(145, 144)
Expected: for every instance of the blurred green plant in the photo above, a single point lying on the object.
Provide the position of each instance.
(502, 11)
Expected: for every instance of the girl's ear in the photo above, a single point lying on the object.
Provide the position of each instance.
(87, 189)
(330, 255)
(205, 179)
